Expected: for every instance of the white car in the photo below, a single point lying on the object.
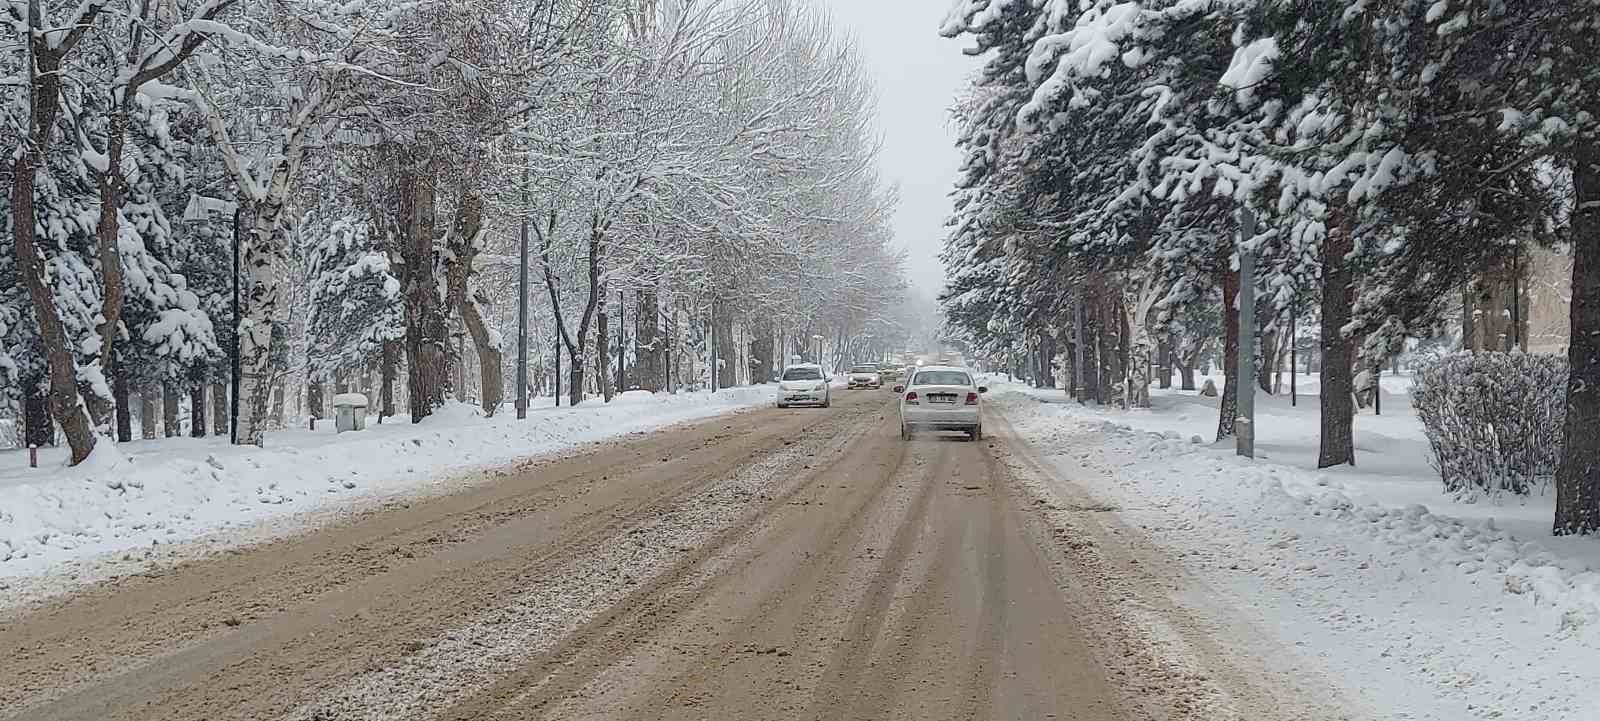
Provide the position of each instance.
(941, 398)
(864, 376)
(804, 385)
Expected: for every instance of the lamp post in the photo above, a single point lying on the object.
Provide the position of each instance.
(233, 349)
(622, 340)
(522, 305)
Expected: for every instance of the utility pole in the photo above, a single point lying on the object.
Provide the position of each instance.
(522, 305)
(233, 348)
(712, 346)
(622, 338)
(1245, 395)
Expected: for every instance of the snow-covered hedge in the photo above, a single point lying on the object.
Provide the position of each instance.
(1493, 420)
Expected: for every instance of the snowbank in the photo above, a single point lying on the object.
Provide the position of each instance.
(1439, 611)
(135, 497)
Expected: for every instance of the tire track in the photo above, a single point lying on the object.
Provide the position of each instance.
(838, 687)
(766, 588)
(532, 649)
(957, 545)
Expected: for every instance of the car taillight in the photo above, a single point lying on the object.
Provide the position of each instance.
(911, 397)
(972, 399)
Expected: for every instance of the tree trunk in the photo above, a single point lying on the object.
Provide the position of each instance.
(387, 373)
(1049, 359)
(120, 392)
(1490, 299)
(761, 352)
(1279, 359)
(197, 411)
(466, 239)
(1110, 351)
(169, 410)
(149, 411)
(726, 355)
(65, 407)
(602, 347)
(111, 287)
(1089, 361)
(1228, 409)
(1164, 356)
(573, 342)
(575, 377)
(1338, 381)
(261, 261)
(38, 430)
(219, 409)
(1187, 379)
(279, 394)
(1578, 476)
(1269, 359)
(314, 400)
(1069, 365)
(1125, 358)
(427, 360)
(648, 340)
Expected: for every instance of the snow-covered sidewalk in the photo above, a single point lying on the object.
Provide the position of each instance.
(1420, 607)
(139, 500)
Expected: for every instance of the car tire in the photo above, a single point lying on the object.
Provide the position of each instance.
(827, 401)
(783, 405)
(905, 432)
(976, 433)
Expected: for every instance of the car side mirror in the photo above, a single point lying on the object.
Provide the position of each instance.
(899, 389)
(983, 389)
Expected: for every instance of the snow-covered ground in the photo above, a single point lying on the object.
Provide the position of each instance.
(136, 502)
(1421, 607)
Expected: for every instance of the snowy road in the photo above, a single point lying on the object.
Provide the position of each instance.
(771, 565)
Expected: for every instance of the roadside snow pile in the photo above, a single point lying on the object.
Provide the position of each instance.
(1424, 615)
(136, 497)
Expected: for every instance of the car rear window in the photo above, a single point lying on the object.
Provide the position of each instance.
(802, 374)
(942, 378)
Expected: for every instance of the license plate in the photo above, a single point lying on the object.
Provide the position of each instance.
(942, 397)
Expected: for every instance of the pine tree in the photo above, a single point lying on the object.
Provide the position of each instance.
(354, 295)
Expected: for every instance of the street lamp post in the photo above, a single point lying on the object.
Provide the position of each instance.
(522, 305)
(233, 350)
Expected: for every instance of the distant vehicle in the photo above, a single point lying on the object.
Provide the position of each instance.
(888, 372)
(941, 398)
(864, 376)
(804, 385)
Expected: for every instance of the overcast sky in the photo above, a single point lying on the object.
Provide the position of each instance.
(918, 74)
